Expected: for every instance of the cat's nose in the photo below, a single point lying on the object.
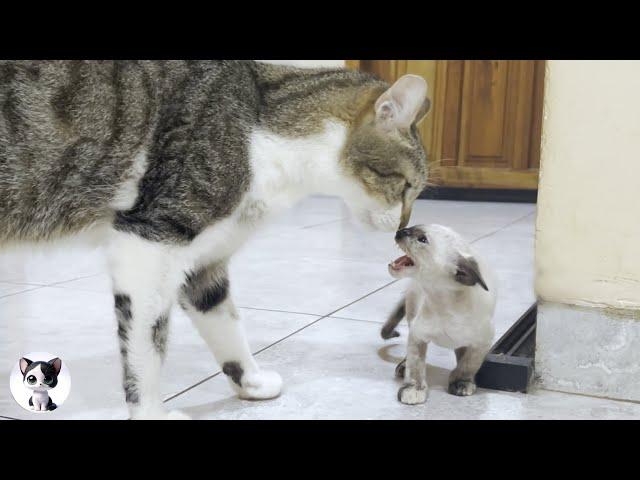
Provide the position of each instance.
(404, 232)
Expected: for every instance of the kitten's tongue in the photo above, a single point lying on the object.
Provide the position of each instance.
(402, 262)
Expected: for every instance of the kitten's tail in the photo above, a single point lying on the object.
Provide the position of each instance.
(389, 328)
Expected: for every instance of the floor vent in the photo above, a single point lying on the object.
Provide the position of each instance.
(510, 364)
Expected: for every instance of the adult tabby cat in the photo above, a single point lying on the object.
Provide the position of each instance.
(174, 163)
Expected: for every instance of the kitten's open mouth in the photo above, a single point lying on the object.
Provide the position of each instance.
(401, 263)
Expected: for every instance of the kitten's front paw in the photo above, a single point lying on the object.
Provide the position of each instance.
(410, 395)
(462, 388)
(260, 385)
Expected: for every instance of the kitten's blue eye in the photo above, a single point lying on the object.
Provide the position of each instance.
(48, 380)
(31, 380)
(423, 239)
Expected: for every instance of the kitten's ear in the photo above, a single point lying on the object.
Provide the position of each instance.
(24, 363)
(404, 104)
(56, 363)
(468, 273)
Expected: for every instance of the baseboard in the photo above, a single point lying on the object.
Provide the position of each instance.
(480, 194)
(509, 366)
(589, 350)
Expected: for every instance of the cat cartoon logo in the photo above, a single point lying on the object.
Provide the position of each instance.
(40, 382)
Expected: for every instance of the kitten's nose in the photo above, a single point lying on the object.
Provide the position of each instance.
(404, 232)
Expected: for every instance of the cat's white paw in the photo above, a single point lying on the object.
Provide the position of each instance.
(410, 395)
(261, 385)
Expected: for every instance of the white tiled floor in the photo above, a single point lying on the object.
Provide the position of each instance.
(313, 290)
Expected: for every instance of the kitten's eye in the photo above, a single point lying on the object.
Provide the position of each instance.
(422, 239)
(48, 380)
(31, 380)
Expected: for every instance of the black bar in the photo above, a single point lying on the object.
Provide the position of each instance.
(480, 194)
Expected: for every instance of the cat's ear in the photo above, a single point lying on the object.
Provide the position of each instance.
(56, 363)
(468, 272)
(24, 363)
(404, 104)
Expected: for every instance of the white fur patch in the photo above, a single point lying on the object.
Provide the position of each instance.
(288, 169)
(126, 195)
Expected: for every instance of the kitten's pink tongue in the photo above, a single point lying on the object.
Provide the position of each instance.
(402, 262)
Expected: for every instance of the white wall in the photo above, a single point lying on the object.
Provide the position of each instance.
(588, 226)
(308, 63)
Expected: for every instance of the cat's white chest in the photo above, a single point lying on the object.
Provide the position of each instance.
(40, 399)
(452, 322)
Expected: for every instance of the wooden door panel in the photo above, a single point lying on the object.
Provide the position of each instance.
(452, 99)
(483, 112)
(491, 124)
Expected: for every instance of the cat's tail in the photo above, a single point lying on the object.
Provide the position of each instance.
(389, 328)
(51, 405)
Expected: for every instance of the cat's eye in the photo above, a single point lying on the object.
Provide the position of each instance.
(31, 380)
(423, 239)
(48, 380)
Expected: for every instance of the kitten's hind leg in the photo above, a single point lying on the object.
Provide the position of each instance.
(462, 378)
(144, 289)
(206, 300)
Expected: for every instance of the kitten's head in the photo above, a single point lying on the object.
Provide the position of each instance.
(40, 375)
(437, 252)
(385, 158)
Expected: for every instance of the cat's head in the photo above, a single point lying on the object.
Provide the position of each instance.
(40, 375)
(384, 156)
(440, 254)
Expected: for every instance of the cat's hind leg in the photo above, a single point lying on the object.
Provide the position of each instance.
(145, 287)
(462, 378)
(206, 299)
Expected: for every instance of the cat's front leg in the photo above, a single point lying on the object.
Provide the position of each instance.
(415, 388)
(206, 299)
(144, 286)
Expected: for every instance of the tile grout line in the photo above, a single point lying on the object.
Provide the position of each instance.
(358, 320)
(280, 311)
(22, 291)
(74, 279)
(487, 235)
(281, 340)
(42, 285)
(322, 223)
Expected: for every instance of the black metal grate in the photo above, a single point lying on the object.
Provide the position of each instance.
(510, 364)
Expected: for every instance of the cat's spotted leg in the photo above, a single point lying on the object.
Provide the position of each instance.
(206, 299)
(144, 290)
(415, 388)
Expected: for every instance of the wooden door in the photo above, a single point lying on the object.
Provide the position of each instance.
(485, 125)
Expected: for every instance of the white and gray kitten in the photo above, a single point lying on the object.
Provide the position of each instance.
(450, 302)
